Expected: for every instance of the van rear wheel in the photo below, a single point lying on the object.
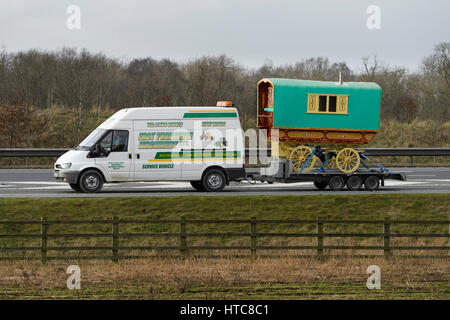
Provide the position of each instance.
(197, 185)
(91, 181)
(214, 180)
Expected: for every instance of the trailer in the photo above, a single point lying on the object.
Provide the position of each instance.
(281, 170)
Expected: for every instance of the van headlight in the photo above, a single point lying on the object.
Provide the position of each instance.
(65, 165)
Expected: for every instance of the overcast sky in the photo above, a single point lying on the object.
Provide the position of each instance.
(250, 31)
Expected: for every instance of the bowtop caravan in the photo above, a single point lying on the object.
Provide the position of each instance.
(203, 145)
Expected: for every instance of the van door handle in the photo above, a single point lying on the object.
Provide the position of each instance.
(138, 156)
(129, 156)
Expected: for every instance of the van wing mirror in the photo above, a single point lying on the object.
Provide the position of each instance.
(95, 151)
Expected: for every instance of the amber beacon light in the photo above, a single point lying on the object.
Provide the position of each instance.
(224, 103)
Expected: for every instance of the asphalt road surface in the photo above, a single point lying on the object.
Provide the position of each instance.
(18, 183)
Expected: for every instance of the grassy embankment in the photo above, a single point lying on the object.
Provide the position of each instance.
(284, 278)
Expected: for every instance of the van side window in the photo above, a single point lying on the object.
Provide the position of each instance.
(105, 144)
(120, 141)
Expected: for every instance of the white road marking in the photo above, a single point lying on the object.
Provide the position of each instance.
(62, 187)
(182, 185)
(35, 182)
(421, 175)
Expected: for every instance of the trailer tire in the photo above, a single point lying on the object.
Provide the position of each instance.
(372, 183)
(320, 185)
(75, 187)
(197, 185)
(337, 183)
(91, 181)
(214, 180)
(354, 183)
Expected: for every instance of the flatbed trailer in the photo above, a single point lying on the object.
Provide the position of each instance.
(280, 171)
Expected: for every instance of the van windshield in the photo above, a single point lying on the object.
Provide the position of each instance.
(91, 139)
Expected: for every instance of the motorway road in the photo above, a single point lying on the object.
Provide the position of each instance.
(18, 183)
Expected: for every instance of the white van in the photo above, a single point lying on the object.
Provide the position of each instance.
(202, 145)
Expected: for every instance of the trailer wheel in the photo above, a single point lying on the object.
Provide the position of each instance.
(197, 185)
(75, 187)
(337, 183)
(372, 183)
(91, 181)
(214, 180)
(354, 183)
(320, 185)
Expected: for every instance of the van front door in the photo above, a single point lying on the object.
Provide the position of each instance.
(114, 156)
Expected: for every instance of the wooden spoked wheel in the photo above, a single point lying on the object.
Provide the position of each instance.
(300, 156)
(331, 163)
(348, 160)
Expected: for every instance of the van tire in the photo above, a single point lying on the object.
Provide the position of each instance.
(214, 180)
(91, 181)
(75, 187)
(197, 185)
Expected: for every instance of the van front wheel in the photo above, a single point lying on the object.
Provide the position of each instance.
(214, 180)
(75, 187)
(91, 181)
(197, 185)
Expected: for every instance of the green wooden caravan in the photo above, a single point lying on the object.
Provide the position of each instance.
(321, 107)
(328, 113)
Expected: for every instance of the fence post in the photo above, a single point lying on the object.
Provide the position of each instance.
(319, 238)
(183, 244)
(253, 237)
(44, 237)
(387, 237)
(115, 239)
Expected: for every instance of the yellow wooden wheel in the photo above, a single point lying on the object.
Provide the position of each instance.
(347, 160)
(300, 156)
(331, 163)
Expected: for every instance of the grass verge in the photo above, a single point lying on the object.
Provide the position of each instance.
(284, 278)
(268, 278)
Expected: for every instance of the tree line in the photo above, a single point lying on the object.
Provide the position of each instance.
(54, 98)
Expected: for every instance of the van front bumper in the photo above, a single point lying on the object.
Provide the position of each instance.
(69, 176)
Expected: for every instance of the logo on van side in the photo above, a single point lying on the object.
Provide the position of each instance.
(158, 166)
(164, 124)
(116, 165)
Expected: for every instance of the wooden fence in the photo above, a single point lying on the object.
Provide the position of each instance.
(182, 249)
